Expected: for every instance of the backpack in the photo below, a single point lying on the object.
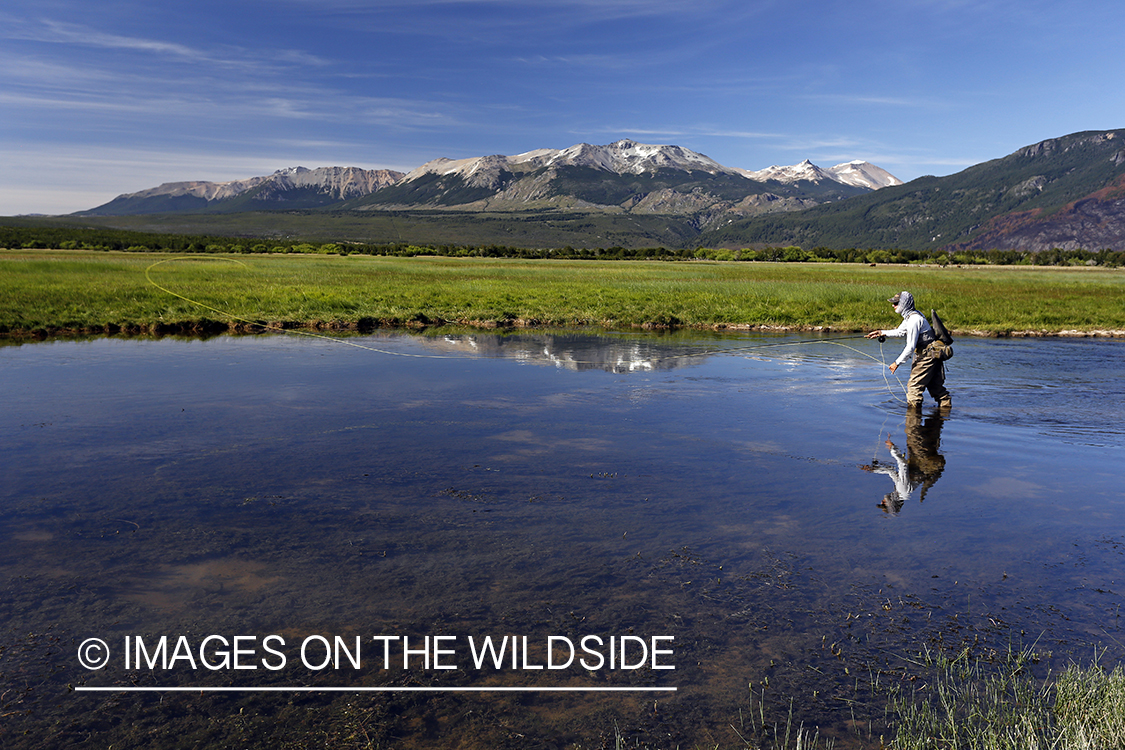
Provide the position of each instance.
(941, 333)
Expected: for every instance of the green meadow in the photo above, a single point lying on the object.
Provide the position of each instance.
(58, 291)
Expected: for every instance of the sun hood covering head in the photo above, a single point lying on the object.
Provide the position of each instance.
(904, 303)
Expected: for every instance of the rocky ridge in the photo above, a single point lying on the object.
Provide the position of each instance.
(621, 176)
(626, 157)
(316, 186)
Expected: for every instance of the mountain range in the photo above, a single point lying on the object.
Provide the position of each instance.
(1066, 192)
(295, 187)
(621, 177)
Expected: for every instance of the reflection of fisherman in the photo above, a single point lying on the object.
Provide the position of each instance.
(920, 467)
(926, 371)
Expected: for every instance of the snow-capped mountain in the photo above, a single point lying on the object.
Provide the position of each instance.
(623, 157)
(624, 175)
(806, 171)
(864, 174)
(856, 173)
(627, 157)
(1061, 193)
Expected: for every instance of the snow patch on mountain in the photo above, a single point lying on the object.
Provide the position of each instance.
(864, 174)
(622, 157)
(629, 157)
(209, 191)
(806, 171)
(856, 173)
(528, 176)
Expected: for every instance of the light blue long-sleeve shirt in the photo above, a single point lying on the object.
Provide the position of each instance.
(914, 327)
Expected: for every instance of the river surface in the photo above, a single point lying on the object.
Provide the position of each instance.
(725, 530)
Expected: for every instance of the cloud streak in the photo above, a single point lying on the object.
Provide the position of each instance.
(750, 84)
(53, 32)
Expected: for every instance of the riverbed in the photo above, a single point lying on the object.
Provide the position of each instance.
(663, 539)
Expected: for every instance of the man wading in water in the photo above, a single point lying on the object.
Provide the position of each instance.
(927, 373)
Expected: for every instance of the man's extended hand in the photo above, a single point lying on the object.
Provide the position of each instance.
(893, 367)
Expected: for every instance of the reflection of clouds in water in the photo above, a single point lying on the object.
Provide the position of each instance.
(644, 394)
(533, 443)
(1003, 488)
(567, 398)
(782, 525)
(33, 535)
(774, 449)
(183, 586)
(527, 406)
(37, 546)
(416, 403)
(511, 405)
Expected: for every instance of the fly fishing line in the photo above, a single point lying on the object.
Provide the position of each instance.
(736, 351)
(277, 329)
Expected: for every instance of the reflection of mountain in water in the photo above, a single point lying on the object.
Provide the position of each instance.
(573, 351)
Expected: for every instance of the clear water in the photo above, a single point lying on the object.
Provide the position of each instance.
(735, 493)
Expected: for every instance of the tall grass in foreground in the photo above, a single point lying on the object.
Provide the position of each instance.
(760, 734)
(974, 705)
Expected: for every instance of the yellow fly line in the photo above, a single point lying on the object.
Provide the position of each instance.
(266, 326)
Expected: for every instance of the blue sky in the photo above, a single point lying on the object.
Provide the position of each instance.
(102, 98)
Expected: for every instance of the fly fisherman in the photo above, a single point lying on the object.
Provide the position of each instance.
(926, 371)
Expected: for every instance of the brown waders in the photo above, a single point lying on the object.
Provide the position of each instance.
(927, 373)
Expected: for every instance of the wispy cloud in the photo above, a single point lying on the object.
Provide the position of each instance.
(598, 62)
(66, 178)
(51, 31)
(546, 23)
(62, 179)
(688, 132)
(85, 36)
(595, 8)
(877, 100)
(38, 83)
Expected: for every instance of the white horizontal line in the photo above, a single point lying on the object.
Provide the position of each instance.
(136, 689)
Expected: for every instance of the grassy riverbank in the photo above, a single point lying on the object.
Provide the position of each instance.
(58, 291)
(975, 703)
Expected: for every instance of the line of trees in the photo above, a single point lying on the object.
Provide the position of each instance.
(33, 237)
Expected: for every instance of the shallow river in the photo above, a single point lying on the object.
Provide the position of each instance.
(720, 529)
